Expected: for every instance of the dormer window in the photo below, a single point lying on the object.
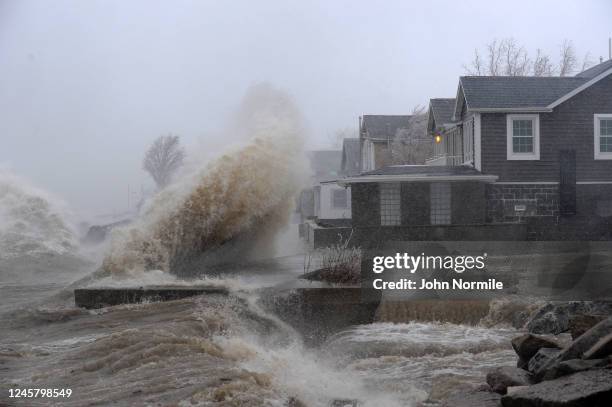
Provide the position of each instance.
(523, 137)
(603, 136)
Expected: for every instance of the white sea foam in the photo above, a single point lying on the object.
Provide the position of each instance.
(32, 221)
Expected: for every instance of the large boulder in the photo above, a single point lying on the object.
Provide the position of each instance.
(526, 346)
(473, 398)
(554, 318)
(586, 341)
(572, 366)
(589, 388)
(580, 323)
(542, 359)
(575, 350)
(506, 376)
(602, 348)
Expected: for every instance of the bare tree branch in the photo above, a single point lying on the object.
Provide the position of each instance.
(587, 62)
(163, 158)
(476, 67)
(568, 61)
(507, 57)
(409, 145)
(542, 65)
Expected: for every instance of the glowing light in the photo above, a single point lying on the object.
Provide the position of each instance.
(438, 139)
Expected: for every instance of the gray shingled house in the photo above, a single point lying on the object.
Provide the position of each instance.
(376, 134)
(508, 150)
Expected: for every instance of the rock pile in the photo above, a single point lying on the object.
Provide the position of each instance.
(551, 375)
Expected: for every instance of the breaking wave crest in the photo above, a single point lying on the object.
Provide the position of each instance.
(31, 221)
(231, 208)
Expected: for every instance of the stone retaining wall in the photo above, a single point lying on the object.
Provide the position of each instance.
(515, 202)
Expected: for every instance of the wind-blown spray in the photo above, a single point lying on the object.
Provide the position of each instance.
(32, 222)
(232, 207)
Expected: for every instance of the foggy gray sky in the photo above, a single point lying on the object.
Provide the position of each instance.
(86, 85)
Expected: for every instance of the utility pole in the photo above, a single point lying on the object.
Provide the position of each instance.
(610, 48)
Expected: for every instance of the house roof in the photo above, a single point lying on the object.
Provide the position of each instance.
(440, 113)
(384, 126)
(351, 156)
(511, 92)
(524, 93)
(420, 173)
(442, 110)
(595, 70)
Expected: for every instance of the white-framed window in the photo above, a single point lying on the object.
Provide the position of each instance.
(523, 136)
(339, 198)
(440, 201)
(390, 204)
(603, 136)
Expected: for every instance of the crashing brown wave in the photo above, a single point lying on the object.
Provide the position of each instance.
(235, 205)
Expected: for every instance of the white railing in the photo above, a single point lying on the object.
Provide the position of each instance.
(445, 160)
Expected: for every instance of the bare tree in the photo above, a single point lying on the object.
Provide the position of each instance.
(568, 60)
(586, 61)
(515, 59)
(411, 145)
(542, 65)
(163, 158)
(476, 66)
(506, 57)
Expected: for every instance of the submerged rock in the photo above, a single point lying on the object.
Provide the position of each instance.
(589, 388)
(503, 377)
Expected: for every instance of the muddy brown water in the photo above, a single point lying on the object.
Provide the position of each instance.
(225, 350)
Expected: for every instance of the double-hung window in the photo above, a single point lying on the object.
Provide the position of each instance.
(523, 137)
(603, 136)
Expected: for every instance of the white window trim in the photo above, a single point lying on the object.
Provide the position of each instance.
(597, 134)
(510, 154)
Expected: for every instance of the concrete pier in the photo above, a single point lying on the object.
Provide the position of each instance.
(92, 298)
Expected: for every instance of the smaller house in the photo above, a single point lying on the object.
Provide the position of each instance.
(376, 134)
(448, 144)
(408, 195)
(325, 201)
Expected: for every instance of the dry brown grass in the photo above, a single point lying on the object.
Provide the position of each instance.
(338, 264)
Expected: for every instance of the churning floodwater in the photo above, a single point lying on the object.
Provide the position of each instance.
(225, 350)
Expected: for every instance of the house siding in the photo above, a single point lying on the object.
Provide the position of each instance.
(365, 204)
(569, 126)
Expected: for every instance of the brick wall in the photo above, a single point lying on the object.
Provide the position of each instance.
(504, 202)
